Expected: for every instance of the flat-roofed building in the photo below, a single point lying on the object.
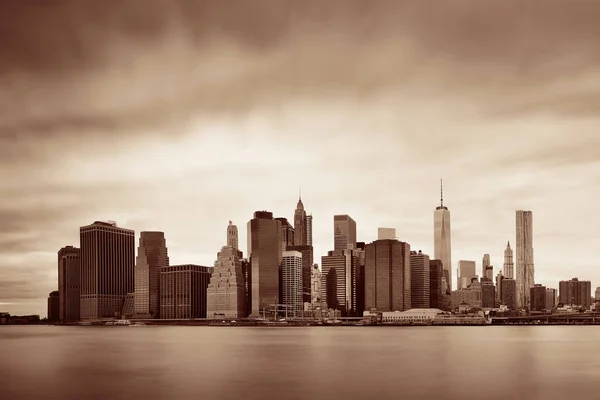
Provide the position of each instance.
(69, 283)
(183, 293)
(292, 283)
(537, 297)
(551, 298)
(339, 274)
(53, 306)
(575, 293)
(419, 279)
(509, 293)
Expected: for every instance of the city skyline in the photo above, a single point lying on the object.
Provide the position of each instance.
(180, 124)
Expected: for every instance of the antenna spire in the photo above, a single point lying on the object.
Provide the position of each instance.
(299, 192)
(442, 193)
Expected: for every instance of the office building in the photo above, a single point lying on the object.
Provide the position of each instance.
(53, 306)
(489, 272)
(315, 280)
(471, 295)
(152, 255)
(524, 254)
(499, 279)
(107, 269)
(292, 291)
(419, 280)
(597, 294)
(485, 263)
(226, 292)
(183, 293)
(300, 225)
(442, 239)
(436, 272)
(386, 234)
(508, 269)
(509, 293)
(575, 293)
(69, 283)
(551, 299)
(344, 233)
(287, 233)
(307, 264)
(466, 273)
(488, 295)
(361, 257)
(387, 276)
(537, 298)
(309, 230)
(264, 252)
(340, 276)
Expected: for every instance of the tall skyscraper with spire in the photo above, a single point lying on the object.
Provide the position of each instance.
(442, 238)
(524, 250)
(300, 224)
(509, 267)
(303, 244)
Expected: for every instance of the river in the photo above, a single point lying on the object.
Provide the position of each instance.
(314, 363)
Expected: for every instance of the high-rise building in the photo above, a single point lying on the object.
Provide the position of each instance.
(419, 280)
(387, 276)
(386, 234)
(287, 233)
(344, 233)
(509, 267)
(107, 269)
(488, 295)
(232, 236)
(575, 293)
(466, 273)
(485, 262)
(307, 264)
(489, 272)
(300, 225)
(442, 239)
(69, 283)
(509, 293)
(436, 272)
(292, 283)
(152, 255)
(524, 265)
(361, 257)
(340, 278)
(315, 280)
(53, 306)
(183, 291)
(226, 293)
(264, 252)
(499, 279)
(309, 230)
(550, 299)
(537, 297)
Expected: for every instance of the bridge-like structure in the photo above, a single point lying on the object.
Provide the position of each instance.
(585, 318)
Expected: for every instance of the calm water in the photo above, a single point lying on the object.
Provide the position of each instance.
(39, 362)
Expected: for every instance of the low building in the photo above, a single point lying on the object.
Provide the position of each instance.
(471, 296)
(488, 295)
(408, 316)
(183, 291)
(509, 293)
(53, 306)
(551, 302)
(128, 310)
(537, 297)
(575, 293)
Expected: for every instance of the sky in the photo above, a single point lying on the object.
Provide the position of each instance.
(180, 116)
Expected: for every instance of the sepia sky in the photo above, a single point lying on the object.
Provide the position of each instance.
(181, 115)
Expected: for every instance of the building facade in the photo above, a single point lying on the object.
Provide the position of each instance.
(508, 269)
(575, 293)
(340, 278)
(53, 306)
(386, 234)
(442, 241)
(183, 293)
(436, 272)
(287, 233)
(344, 233)
(264, 252)
(551, 298)
(300, 225)
(292, 297)
(509, 293)
(69, 283)
(307, 264)
(524, 254)
(488, 295)
(387, 276)
(226, 292)
(485, 262)
(315, 279)
(232, 236)
(537, 298)
(466, 273)
(152, 255)
(419, 280)
(107, 269)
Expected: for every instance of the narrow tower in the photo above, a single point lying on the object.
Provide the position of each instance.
(300, 224)
(232, 236)
(524, 255)
(509, 266)
(442, 238)
(485, 262)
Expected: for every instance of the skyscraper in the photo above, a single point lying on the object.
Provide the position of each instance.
(466, 273)
(435, 284)
(315, 279)
(524, 267)
(485, 262)
(509, 267)
(309, 231)
(69, 283)
(340, 278)
(419, 280)
(442, 238)
(226, 293)
(183, 292)
(232, 236)
(264, 252)
(344, 233)
(575, 293)
(387, 276)
(307, 264)
(107, 269)
(287, 233)
(292, 283)
(300, 225)
(152, 255)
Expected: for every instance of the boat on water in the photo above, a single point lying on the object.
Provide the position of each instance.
(138, 324)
